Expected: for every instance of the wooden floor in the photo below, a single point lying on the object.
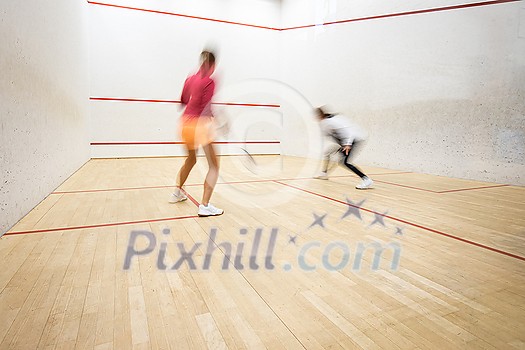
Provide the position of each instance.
(459, 282)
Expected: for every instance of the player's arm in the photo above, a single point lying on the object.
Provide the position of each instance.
(207, 95)
(347, 139)
(341, 136)
(208, 92)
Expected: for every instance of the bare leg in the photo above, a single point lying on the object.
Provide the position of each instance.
(186, 168)
(213, 173)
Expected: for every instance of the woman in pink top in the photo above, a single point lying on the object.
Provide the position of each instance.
(196, 130)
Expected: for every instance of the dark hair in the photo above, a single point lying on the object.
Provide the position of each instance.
(207, 57)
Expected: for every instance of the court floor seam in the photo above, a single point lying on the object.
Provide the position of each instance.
(248, 281)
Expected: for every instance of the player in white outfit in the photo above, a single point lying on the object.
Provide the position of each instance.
(349, 137)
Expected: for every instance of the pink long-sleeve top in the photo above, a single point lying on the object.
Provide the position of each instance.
(197, 94)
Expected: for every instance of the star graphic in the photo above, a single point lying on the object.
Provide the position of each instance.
(399, 231)
(318, 220)
(292, 239)
(378, 219)
(353, 209)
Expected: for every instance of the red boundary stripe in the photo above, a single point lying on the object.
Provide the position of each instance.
(444, 191)
(182, 15)
(178, 102)
(193, 200)
(99, 225)
(110, 224)
(111, 189)
(432, 191)
(200, 184)
(181, 143)
(406, 186)
(271, 180)
(410, 223)
(472, 188)
(131, 100)
(407, 13)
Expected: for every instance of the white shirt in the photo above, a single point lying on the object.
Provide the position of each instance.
(342, 130)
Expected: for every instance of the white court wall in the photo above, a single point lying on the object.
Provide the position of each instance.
(138, 54)
(43, 101)
(439, 93)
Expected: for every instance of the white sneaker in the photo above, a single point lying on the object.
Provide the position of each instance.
(177, 196)
(366, 183)
(209, 210)
(322, 176)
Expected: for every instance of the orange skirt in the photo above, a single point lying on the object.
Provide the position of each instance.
(196, 131)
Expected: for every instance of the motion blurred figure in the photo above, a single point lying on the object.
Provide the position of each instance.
(349, 138)
(197, 130)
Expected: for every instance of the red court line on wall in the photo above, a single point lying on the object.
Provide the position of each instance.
(119, 99)
(181, 143)
(407, 13)
(398, 14)
(182, 15)
(409, 223)
(99, 225)
(131, 100)
(245, 104)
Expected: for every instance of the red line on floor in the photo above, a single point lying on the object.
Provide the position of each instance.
(410, 223)
(181, 15)
(200, 184)
(99, 225)
(111, 189)
(178, 102)
(407, 13)
(472, 188)
(440, 192)
(393, 173)
(193, 200)
(234, 182)
(405, 186)
(271, 180)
